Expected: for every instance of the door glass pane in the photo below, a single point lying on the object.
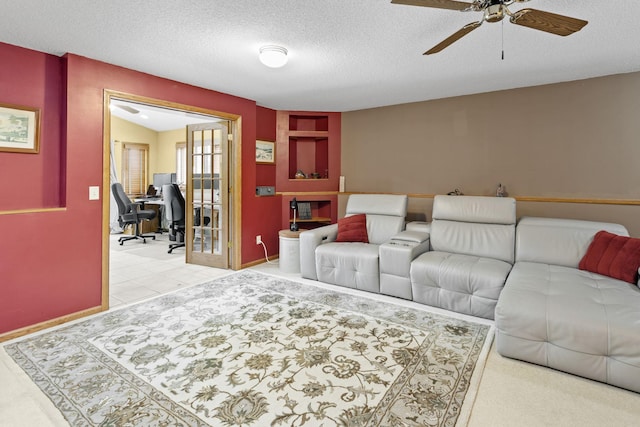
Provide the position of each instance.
(216, 210)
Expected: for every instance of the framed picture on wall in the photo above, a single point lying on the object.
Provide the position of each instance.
(19, 129)
(265, 152)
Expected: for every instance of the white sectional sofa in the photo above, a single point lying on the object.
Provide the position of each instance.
(553, 314)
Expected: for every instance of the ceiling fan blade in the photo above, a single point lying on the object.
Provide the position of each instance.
(439, 4)
(128, 109)
(454, 37)
(547, 21)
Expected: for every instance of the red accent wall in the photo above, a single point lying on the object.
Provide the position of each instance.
(50, 264)
(32, 79)
(268, 219)
(266, 123)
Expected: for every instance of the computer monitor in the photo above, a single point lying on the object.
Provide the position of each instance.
(160, 179)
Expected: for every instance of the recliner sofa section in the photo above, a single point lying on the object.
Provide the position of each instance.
(353, 264)
(458, 262)
(472, 242)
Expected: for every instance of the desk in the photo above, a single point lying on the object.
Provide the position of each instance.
(157, 223)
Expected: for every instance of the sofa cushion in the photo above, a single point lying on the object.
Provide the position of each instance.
(377, 204)
(354, 265)
(381, 228)
(572, 320)
(480, 240)
(463, 283)
(474, 225)
(353, 229)
(614, 256)
(385, 214)
(479, 209)
(558, 241)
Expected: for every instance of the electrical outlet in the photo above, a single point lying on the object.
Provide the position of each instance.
(258, 239)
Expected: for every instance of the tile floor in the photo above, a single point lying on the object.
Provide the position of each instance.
(138, 271)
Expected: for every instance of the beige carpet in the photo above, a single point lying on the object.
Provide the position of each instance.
(514, 393)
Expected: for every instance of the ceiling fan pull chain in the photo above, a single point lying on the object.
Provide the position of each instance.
(502, 31)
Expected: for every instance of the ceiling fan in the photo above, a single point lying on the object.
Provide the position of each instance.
(129, 109)
(495, 11)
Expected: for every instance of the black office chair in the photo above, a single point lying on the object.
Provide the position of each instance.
(130, 213)
(174, 211)
(174, 208)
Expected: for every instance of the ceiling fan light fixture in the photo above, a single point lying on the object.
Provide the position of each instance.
(495, 13)
(273, 56)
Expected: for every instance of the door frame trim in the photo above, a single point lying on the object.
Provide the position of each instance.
(235, 162)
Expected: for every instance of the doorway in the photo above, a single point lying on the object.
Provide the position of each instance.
(224, 232)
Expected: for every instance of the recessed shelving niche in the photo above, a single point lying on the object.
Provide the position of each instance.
(309, 142)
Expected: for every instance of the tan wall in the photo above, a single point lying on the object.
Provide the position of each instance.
(124, 131)
(162, 145)
(166, 153)
(570, 140)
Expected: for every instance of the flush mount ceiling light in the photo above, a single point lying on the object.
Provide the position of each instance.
(273, 56)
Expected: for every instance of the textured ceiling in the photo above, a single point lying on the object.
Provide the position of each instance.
(343, 54)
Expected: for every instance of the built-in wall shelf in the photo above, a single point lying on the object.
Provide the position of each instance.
(308, 142)
(308, 122)
(314, 219)
(308, 134)
(324, 209)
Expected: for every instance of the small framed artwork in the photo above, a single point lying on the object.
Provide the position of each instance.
(19, 129)
(265, 152)
(304, 210)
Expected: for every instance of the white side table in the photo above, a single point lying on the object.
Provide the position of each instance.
(290, 251)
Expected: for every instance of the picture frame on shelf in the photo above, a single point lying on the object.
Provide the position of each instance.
(304, 210)
(265, 152)
(19, 129)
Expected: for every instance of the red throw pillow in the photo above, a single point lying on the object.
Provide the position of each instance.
(614, 256)
(353, 229)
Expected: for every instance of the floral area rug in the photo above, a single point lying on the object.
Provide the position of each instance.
(251, 349)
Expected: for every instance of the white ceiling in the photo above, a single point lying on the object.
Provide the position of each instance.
(343, 54)
(158, 119)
